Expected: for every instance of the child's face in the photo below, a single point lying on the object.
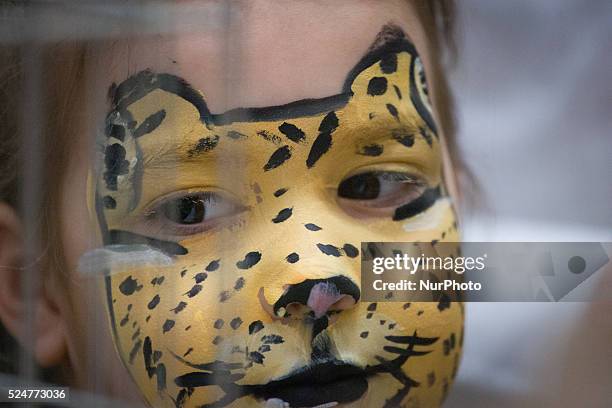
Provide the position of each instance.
(232, 239)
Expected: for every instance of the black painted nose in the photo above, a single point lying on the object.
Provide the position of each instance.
(320, 295)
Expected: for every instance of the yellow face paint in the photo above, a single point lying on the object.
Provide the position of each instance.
(245, 230)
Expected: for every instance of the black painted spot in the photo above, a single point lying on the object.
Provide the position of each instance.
(377, 86)
(157, 355)
(235, 323)
(189, 350)
(194, 291)
(153, 303)
(403, 137)
(329, 249)
(371, 150)
(292, 132)
(382, 322)
(250, 259)
(125, 320)
(205, 144)
(272, 339)
(129, 286)
(224, 296)
(388, 63)
(213, 265)
(312, 227)
(179, 307)
(283, 215)
(168, 325)
(218, 324)
(425, 201)
(200, 277)
(397, 92)
(444, 302)
(116, 131)
(158, 280)
(364, 335)
(183, 273)
(217, 340)
(115, 164)
(264, 348)
(136, 335)
(323, 142)
(109, 202)
(369, 315)
(255, 326)
(232, 134)
(372, 307)
(392, 326)
(134, 351)
(150, 124)
(280, 192)
(280, 156)
(270, 137)
(393, 111)
(256, 357)
(292, 257)
(350, 250)
(239, 283)
(420, 312)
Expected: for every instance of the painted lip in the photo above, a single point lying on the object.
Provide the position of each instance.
(332, 381)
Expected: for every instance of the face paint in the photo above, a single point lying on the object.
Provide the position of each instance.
(273, 316)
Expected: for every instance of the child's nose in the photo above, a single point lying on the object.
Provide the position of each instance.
(319, 295)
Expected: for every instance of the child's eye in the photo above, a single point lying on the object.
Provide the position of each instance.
(378, 193)
(185, 210)
(191, 213)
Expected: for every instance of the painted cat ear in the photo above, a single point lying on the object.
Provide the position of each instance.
(383, 52)
(140, 84)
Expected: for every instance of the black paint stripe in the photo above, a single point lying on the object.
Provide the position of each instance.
(393, 111)
(250, 259)
(280, 192)
(419, 105)
(205, 144)
(371, 150)
(280, 156)
(425, 201)
(292, 132)
(388, 63)
(283, 215)
(323, 142)
(144, 82)
(150, 124)
(329, 249)
(392, 47)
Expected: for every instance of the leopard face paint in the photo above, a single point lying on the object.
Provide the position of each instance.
(262, 212)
